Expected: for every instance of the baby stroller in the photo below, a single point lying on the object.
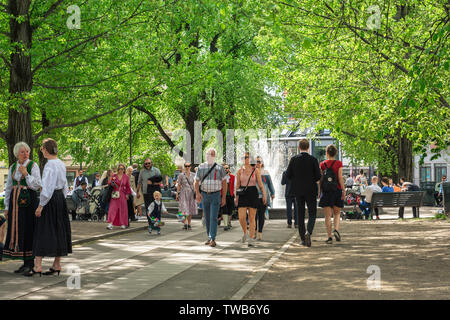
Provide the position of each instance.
(352, 198)
(98, 212)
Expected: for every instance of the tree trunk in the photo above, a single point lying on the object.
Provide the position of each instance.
(191, 117)
(20, 80)
(405, 158)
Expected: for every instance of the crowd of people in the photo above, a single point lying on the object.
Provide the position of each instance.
(40, 227)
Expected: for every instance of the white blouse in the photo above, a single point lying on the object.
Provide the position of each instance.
(33, 180)
(53, 178)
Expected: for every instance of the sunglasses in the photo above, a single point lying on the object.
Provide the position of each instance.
(227, 168)
(258, 161)
(147, 163)
(246, 157)
(187, 166)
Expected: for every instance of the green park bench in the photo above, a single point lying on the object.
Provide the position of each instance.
(397, 200)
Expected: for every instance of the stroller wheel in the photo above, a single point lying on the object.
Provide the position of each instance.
(95, 217)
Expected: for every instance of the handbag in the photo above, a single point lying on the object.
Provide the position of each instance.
(116, 194)
(243, 191)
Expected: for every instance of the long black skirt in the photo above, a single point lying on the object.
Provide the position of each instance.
(19, 242)
(53, 236)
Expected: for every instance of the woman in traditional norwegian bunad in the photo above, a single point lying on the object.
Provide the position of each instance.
(21, 201)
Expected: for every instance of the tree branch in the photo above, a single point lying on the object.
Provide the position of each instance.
(74, 124)
(159, 127)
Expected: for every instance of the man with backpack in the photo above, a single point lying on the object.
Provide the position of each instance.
(333, 191)
(304, 173)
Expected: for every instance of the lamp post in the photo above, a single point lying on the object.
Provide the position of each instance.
(131, 160)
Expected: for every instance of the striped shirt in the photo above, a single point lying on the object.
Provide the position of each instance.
(213, 182)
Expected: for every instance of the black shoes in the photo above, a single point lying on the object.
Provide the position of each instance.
(189, 227)
(308, 239)
(185, 227)
(329, 241)
(52, 271)
(289, 225)
(337, 236)
(31, 273)
(303, 243)
(296, 226)
(20, 270)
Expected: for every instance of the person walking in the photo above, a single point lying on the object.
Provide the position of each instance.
(21, 201)
(290, 200)
(210, 179)
(118, 211)
(149, 181)
(186, 195)
(53, 235)
(270, 195)
(248, 176)
(304, 173)
(332, 189)
(130, 200)
(228, 208)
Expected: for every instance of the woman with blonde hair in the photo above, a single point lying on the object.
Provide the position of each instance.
(118, 211)
(21, 201)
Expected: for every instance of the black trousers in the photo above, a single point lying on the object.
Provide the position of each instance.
(130, 208)
(401, 211)
(311, 202)
(260, 215)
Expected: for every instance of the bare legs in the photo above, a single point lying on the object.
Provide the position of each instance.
(337, 216)
(251, 220)
(38, 264)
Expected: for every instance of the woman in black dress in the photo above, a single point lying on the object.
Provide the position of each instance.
(21, 201)
(52, 237)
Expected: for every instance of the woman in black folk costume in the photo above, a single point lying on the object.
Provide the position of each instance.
(21, 201)
(52, 237)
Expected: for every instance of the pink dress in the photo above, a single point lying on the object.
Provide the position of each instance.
(118, 210)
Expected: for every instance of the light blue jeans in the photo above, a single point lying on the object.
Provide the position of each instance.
(211, 206)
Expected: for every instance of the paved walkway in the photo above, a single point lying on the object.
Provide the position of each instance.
(412, 256)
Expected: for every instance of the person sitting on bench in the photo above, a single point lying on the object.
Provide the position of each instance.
(365, 204)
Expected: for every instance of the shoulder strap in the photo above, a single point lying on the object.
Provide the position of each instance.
(333, 164)
(203, 179)
(250, 178)
(325, 164)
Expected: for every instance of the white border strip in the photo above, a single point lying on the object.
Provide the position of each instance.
(259, 274)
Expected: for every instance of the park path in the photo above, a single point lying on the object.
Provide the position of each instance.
(174, 265)
(412, 256)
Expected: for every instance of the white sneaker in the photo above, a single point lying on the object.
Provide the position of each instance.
(123, 226)
(251, 242)
(244, 238)
(109, 227)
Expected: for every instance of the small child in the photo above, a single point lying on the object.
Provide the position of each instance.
(154, 213)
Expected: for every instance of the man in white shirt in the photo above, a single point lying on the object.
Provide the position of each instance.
(365, 204)
(79, 179)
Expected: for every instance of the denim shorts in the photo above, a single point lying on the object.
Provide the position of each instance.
(331, 199)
